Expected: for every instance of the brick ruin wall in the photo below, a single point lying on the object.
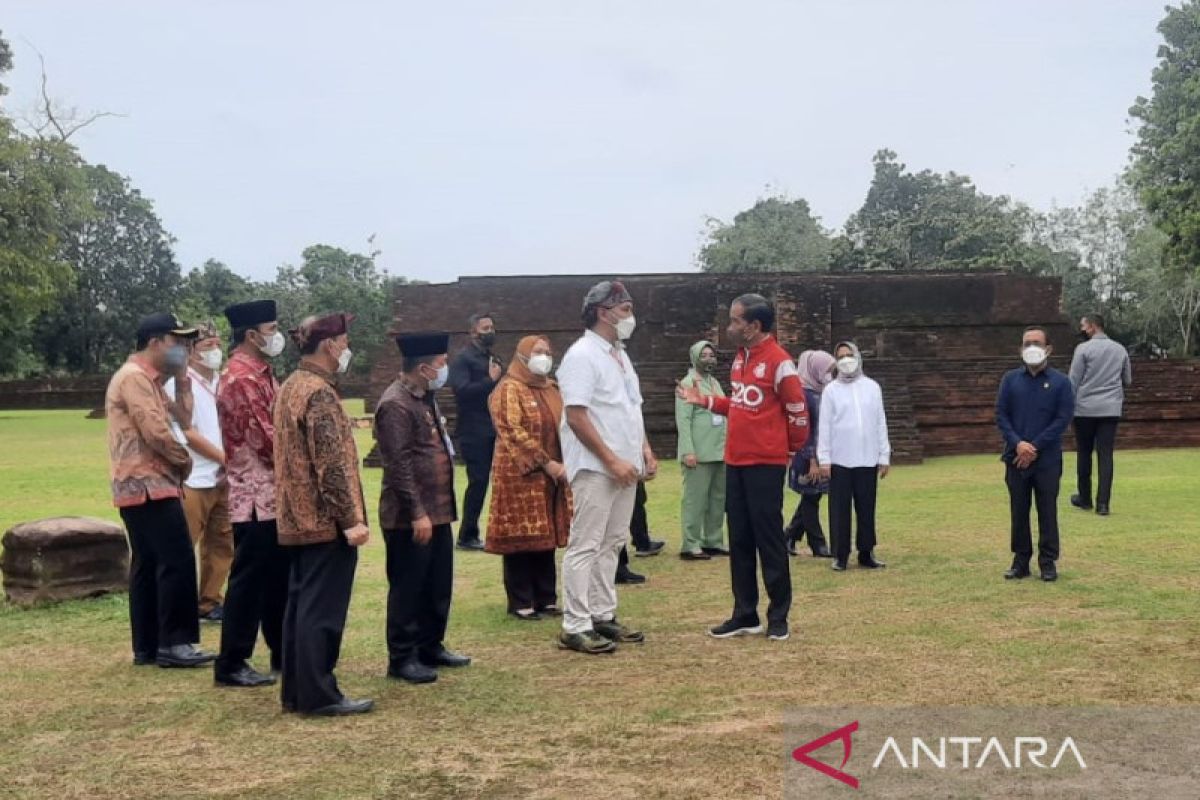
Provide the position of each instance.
(937, 342)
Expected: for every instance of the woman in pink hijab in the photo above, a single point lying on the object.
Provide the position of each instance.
(816, 368)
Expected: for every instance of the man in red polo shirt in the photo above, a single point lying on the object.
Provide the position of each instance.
(768, 420)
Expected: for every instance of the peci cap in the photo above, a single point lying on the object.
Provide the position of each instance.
(255, 312)
(164, 323)
(423, 343)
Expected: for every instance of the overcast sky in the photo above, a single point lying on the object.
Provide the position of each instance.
(490, 138)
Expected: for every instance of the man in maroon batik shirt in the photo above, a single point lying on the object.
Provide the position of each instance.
(257, 593)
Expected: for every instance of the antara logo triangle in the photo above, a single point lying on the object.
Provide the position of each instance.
(843, 734)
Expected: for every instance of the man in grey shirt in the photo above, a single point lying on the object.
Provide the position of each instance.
(1100, 371)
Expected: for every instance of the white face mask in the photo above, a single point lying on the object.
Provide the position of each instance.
(847, 365)
(344, 360)
(273, 345)
(1033, 355)
(211, 359)
(625, 327)
(540, 364)
(441, 380)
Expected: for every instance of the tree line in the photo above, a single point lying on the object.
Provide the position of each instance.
(83, 255)
(1130, 251)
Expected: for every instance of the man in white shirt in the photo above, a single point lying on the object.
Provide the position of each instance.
(206, 494)
(606, 453)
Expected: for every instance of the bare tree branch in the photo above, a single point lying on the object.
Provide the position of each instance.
(51, 122)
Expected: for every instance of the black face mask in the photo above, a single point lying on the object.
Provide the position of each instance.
(1084, 335)
(487, 339)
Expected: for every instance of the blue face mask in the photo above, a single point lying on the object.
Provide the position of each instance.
(176, 358)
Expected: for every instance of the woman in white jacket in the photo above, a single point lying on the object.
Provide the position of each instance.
(853, 452)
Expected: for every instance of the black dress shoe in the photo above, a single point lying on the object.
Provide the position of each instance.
(345, 707)
(470, 544)
(1016, 573)
(628, 576)
(652, 549)
(791, 548)
(821, 551)
(550, 611)
(868, 561)
(216, 615)
(838, 565)
(525, 616)
(1079, 502)
(1049, 575)
(445, 658)
(689, 555)
(144, 660)
(714, 551)
(413, 671)
(245, 676)
(1102, 510)
(183, 655)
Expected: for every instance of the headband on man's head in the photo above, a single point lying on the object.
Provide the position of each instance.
(607, 294)
(326, 327)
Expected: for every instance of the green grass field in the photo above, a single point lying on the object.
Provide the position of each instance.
(681, 716)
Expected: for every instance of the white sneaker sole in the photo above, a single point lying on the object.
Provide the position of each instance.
(783, 638)
(752, 631)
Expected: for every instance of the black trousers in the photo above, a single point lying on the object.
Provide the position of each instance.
(806, 521)
(162, 576)
(256, 597)
(639, 529)
(1098, 434)
(852, 487)
(477, 455)
(754, 511)
(1028, 487)
(529, 580)
(420, 584)
(321, 579)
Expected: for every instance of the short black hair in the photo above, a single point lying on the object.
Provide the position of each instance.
(144, 341)
(591, 315)
(410, 363)
(1094, 319)
(1032, 328)
(756, 308)
(475, 319)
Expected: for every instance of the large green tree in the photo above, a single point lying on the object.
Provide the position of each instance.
(209, 289)
(125, 268)
(1166, 163)
(331, 279)
(41, 191)
(776, 234)
(926, 220)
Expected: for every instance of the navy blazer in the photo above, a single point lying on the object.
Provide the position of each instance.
(1035, 409)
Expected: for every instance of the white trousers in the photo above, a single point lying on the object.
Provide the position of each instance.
(599, 528)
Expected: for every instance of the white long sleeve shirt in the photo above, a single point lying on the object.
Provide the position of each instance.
(852, 430)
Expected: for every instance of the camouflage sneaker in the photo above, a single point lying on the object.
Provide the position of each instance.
(588, 642)
(617, 632)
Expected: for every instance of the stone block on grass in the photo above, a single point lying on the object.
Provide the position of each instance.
(64, 558)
